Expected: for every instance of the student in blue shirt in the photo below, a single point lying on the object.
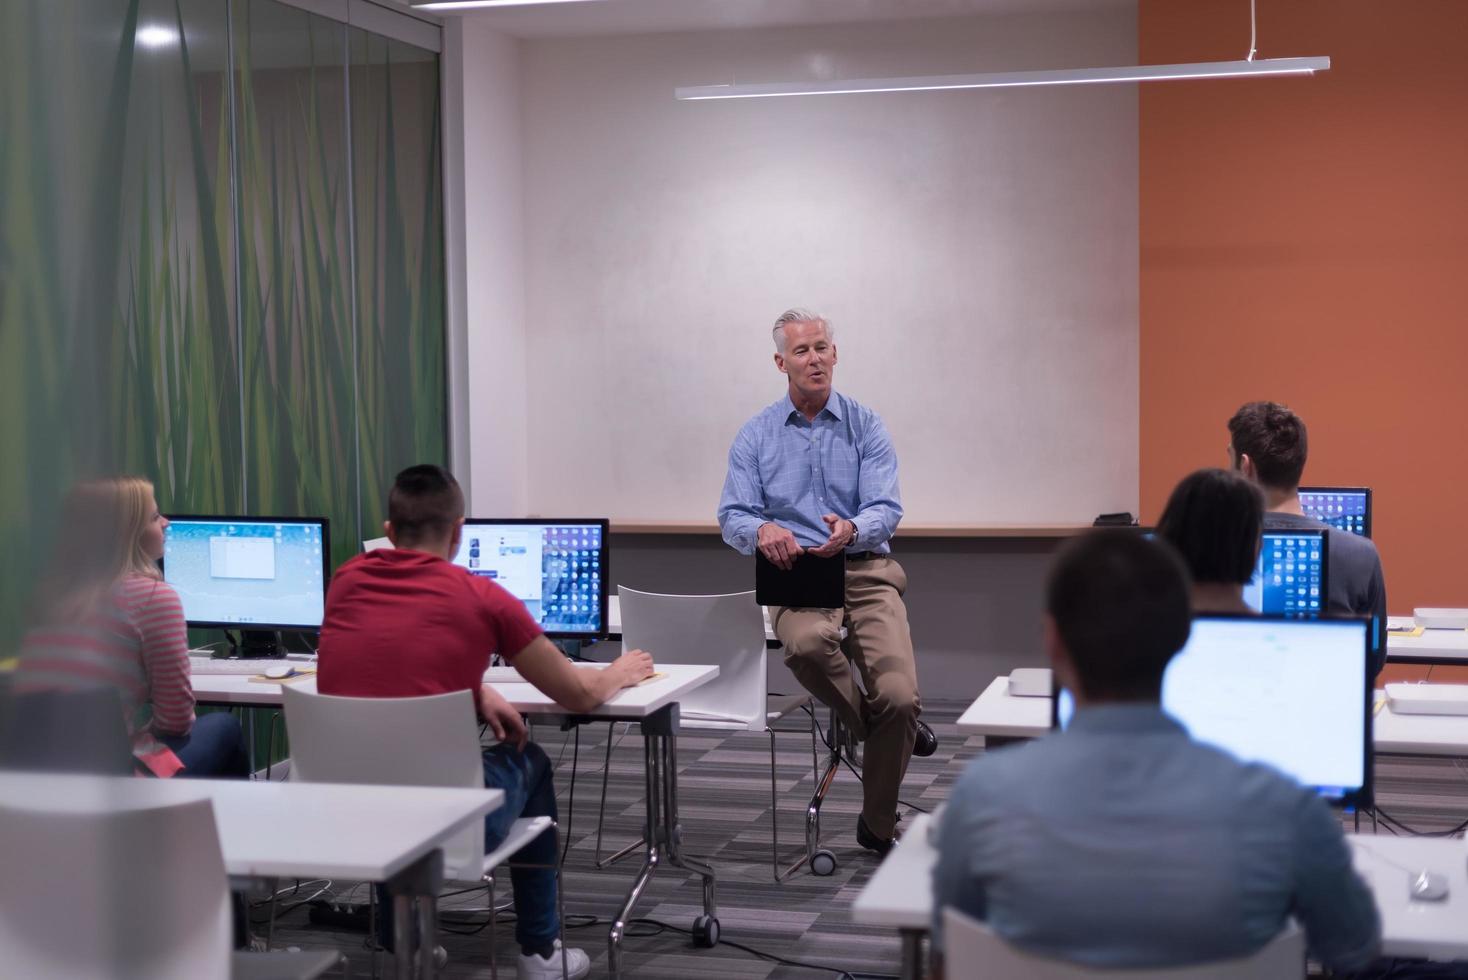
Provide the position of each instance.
(1121, 842)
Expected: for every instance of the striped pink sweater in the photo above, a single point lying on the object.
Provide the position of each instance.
(137, 642)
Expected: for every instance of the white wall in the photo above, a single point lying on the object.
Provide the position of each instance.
(976, 250)
(484, 171)
(624, 253)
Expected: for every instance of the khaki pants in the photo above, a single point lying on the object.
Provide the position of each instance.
(881, 647)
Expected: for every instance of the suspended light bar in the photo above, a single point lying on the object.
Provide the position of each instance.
(1012, 79)
(486, 4)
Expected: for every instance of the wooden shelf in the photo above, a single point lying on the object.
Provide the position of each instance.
(903, 530)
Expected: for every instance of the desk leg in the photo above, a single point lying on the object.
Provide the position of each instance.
(249, 714)
(402, 934)
(421, 880)
(674, 831)
(912, 954)
(662, 833)
(428, 931)
(652, 855)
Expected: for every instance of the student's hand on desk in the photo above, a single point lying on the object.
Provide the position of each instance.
(503, 719)
(843, 532)
(778, 545)
(635, 666)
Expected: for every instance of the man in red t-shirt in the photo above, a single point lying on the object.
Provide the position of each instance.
(405, 622)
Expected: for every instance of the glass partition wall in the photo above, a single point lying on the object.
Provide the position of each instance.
(221, 264)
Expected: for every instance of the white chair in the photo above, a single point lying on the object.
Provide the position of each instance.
(971, 950)
(726, 630)
(422, 741)
(152, 900)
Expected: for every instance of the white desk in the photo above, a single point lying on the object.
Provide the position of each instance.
(295, 830)
(998, 713)
(900, 895)
(1432, 647)
(1434, 930)
(629, 704)
(1441, 735)
(654, 705)
(238, 690)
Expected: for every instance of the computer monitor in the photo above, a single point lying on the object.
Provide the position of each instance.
(250, 573)
(558, 568)
(1290, 575)
(1343, 508)
(1294, 694)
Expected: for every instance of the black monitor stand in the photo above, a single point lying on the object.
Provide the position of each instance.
(260, 644)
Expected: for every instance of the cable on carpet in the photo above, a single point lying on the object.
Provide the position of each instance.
(1393, 824)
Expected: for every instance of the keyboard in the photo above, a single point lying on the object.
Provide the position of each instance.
(249, 668)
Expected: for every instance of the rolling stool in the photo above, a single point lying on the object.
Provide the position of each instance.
(841, 746)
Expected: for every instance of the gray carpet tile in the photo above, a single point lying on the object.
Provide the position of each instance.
(724, 795)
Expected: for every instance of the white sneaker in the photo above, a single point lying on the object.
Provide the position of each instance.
(578, 965)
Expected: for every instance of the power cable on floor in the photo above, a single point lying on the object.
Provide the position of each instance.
(1393, 824)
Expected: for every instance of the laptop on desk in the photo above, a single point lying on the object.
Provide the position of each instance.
(1291, 693)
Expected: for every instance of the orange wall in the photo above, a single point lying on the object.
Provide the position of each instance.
(1306, 240)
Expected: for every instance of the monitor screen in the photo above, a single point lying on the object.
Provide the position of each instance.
(248, 572)
(1289, 577)
(1294, 694)
(1344, 508)
(556, 567)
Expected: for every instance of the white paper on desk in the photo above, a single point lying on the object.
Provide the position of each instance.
(372, 544)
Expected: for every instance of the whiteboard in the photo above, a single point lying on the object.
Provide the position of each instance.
(975, 251)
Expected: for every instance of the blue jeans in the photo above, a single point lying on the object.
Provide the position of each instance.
(526, 779)
(213, 749)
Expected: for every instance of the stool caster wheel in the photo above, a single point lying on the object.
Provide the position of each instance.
(823, 863)
(705, 932)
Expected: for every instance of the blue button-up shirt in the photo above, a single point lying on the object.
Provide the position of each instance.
(1122, 843)
(790, 470)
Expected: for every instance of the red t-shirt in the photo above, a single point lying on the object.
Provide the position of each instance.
(405, 623)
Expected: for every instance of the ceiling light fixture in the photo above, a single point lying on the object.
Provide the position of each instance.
(157, 36)
(1012, 79)
(1248, 67)
(483, 4)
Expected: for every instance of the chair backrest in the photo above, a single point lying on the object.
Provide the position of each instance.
(727, 630)
(97, 891)
(422, 741)
(80, 731)
(972, 950)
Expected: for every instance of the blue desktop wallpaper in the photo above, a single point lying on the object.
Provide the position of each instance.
(563, 588)
(243, 573)
(1343, 511)
(1288, 577)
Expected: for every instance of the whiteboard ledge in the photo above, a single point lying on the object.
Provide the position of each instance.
(903, 530)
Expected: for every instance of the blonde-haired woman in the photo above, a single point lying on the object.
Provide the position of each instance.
(103, 616)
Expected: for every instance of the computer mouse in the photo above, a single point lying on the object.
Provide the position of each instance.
(1428, 886)
(279, 672)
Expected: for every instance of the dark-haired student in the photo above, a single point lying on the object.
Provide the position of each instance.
(406, 622)
(1268, 444)
(1121, 842)
(1214, 520)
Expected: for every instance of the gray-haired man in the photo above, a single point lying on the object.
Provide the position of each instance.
(815, 473)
